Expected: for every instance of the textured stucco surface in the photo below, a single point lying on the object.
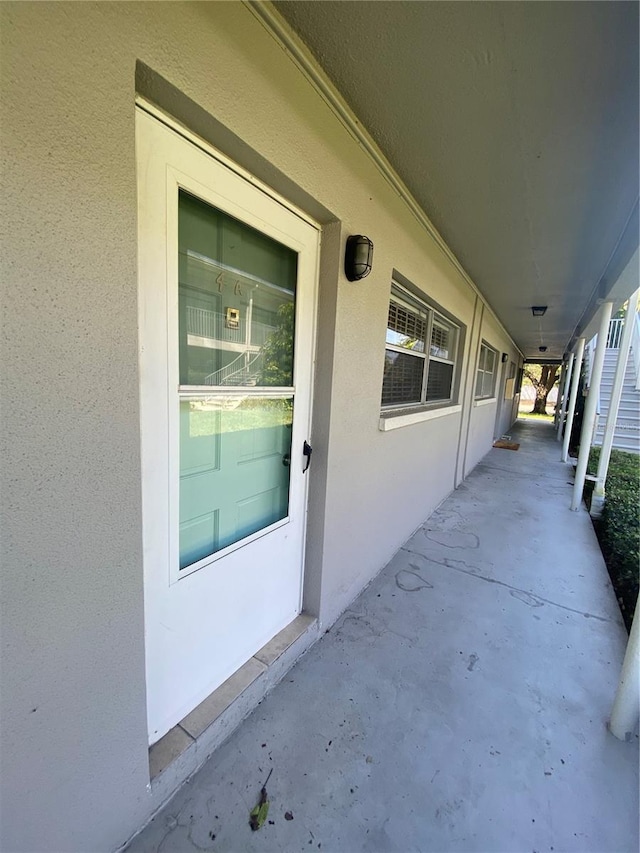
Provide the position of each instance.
(72, 634)
(523, 142)
(74, 748)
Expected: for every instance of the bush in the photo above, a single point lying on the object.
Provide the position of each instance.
(619, 528)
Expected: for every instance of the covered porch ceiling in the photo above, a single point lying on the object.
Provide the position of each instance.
(515, 127)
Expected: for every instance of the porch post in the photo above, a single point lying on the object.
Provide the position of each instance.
(565, 393)
(590, 406)
(597, 500)
(572, 399)
(556, 413)
(624, 714)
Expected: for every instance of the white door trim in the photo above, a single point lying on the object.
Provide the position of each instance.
(150, 108)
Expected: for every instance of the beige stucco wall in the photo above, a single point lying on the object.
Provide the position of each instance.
(491, 420)
(74, 740)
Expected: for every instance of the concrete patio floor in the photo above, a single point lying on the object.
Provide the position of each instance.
(460, 704)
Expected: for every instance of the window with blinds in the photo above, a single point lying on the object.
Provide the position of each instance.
(486, 372)
(414, 373)
(406, 328)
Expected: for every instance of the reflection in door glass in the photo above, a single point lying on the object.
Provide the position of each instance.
(236, 322)
(236, 301)
(234, 470)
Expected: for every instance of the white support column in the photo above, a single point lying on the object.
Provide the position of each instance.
(565, 393)
(556, 413)
(571, 410)
(624, 714)
(590, 406)
(597, 500)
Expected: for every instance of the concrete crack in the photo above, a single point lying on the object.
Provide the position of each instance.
(522, 592)
(457, 538)
(414, 583)
(526, 474)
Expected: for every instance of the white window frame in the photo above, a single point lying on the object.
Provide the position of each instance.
(490, 375)
(432, 318)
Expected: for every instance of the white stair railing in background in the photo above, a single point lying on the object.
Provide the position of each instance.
(213, 325)
(615, 333)
(588, 359)
(626, 435)
(596, 421)
(236, 373)
(218, 376)
(635, 349)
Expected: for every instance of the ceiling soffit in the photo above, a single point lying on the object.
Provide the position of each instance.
(514, 125)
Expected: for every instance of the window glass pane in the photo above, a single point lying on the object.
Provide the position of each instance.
(485, 374)
(402, 381)
(439, 380)
(441, 340)
(232, 478)
(406, 327)
(483, 357)
(236, 301)
(487, 385)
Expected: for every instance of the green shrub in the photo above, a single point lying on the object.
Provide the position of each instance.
(619, 528)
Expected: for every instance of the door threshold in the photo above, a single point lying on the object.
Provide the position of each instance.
(191, 741)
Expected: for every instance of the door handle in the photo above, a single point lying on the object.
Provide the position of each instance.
(286, 460)
(307, 450)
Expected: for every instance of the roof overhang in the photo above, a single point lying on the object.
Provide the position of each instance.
(515, 127)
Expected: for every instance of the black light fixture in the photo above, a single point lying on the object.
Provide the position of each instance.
(542, 349)
(538, 310)
(358, 257)
(505, 357)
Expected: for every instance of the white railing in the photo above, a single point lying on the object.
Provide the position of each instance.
(596, 420)
(241, 371)
(213, 325)
(635, 349)
(589, 350)
(218, 377)
(615, 333)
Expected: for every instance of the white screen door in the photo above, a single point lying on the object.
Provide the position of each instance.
(227, 294)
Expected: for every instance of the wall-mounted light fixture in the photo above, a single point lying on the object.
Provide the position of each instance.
(358, 257)
(538, 310)
(542, 349)
(505, 357)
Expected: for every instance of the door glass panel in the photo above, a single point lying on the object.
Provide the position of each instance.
(236, 301)
(236, 298)
(234, 469)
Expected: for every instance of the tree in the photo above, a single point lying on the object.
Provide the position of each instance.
(543, 377)
(277, 352)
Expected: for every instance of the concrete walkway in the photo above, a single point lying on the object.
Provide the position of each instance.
(458, 705)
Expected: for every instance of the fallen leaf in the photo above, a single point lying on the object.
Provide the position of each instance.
(258, 815)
